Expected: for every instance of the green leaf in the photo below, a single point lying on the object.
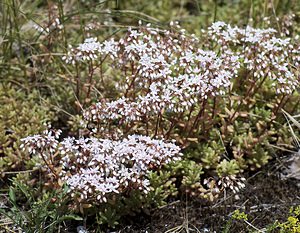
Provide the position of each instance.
(71, 217)
(12, 196)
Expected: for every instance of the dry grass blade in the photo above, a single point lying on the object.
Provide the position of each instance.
(295, 122)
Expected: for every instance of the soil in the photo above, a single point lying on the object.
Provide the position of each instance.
(267, 198)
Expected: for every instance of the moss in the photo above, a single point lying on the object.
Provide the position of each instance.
(20, 115)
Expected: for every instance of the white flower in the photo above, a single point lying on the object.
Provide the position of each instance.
(111, 166)
(90, 45)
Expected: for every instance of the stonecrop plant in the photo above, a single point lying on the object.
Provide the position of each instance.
(184, 113)
(264, 54)
(97, 169)
(164, 77)
(111, 177)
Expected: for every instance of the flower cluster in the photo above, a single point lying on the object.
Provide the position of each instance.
(96, 169)
(163, 71)
(264, 55)
(85, 51)
(217, 187)
(45, 143)
(89, 50)
(287, 24)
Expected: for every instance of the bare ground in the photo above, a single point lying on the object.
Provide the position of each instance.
(266, 198)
